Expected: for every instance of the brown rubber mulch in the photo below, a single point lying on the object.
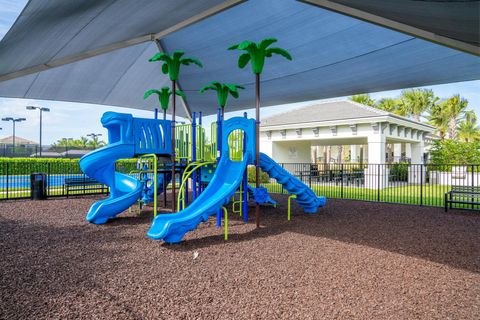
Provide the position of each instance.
(352, 260)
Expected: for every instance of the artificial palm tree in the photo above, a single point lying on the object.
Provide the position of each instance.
(415, 102)
(223, 90)
(468, 129)
(163, 97)
(363, 99)
(171, 66)
(256, 53)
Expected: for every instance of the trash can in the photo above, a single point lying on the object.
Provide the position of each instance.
(38, 186)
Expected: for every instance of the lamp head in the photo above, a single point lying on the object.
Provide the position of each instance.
(31, 108)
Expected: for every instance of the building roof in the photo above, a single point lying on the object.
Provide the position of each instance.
(98, 51)
(18, 141)
(341, 110)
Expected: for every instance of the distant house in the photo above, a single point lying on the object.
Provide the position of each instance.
(19, 141)
(343, 131)
(23, 147)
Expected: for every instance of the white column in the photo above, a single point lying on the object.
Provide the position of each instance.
(353, 153)
(397, 151)
(376, 148)
(416, 171)
(376, 173)
(416, 152)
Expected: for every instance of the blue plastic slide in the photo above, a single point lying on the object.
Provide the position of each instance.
(127, 137)
(306, 198)
(260, 195)
(226, 180)
(124, 190)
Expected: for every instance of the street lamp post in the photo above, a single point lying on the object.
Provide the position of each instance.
(41, 109)
(14, 120)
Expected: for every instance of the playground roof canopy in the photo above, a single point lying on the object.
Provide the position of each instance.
(96, 51)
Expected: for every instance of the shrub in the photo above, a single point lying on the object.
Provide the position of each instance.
(264, 178)
(455, 152)
(399, 171)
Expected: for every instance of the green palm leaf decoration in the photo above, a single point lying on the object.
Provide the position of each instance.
(171, 66)
(163, 97)
(256, 54)
(223, 90)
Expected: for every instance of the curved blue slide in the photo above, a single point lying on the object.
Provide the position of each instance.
(124, 189)
(228, 176)
(306, 198)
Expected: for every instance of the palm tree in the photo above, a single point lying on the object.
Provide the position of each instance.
(171, 66)
(468, 130)
(363, 99)
(455, 108)
(438, 118)
(95, 143)
(389, 105)
(223, 90)
(256, 54)
(163, 97)
(415, 102)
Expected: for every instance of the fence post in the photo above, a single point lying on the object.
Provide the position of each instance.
(7, 178)
(421, 184)
(341, 181)
(48, 178)
(378, 182)
(473, 186)
(283, 189)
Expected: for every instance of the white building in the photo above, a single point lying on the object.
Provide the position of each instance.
(342, 131)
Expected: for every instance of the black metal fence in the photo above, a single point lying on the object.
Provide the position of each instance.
(33, 151)
(414, 184)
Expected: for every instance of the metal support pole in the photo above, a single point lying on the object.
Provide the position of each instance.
(173, 144)
(194, 155)
(257, 144)
(219, 148)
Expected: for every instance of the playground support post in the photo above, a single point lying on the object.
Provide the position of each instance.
(219, 148)
(245, 182)
(257, 144)
(173, 145)
(194, 155)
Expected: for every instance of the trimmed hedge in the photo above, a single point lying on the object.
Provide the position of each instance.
(23, 166)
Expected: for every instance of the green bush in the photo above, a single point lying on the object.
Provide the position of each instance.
(22, 166)
(264, 178)
(454, 152)
(399, 171)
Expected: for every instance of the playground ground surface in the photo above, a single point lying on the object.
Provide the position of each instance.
(352, 260)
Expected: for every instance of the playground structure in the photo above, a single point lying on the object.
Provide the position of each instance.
(214, 173)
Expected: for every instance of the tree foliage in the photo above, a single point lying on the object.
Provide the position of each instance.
(451, 151)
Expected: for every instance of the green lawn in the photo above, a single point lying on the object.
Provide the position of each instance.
(430, 195)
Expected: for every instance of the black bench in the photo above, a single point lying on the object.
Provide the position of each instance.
(83, 184)
(462, 195)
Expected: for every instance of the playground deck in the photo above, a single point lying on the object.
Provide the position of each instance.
(353, 260)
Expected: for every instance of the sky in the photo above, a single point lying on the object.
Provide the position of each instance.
(72, 120)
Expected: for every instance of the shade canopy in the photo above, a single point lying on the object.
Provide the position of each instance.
(97, 51)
